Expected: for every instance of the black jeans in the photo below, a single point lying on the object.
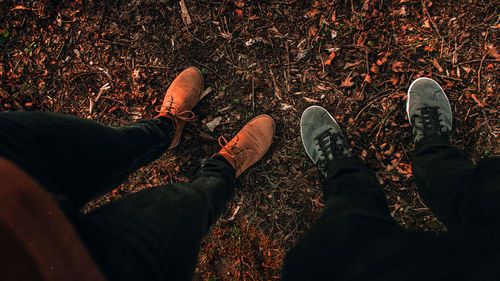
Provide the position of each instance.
(154, 234)
(356, 238)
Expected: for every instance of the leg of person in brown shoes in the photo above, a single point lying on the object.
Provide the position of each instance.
(155, 234)
(78, 159)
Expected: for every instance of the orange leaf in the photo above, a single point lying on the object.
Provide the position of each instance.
(312, 13)
(383, 59)
(368, 78)
(347, 82)
(313, 30)
(20, 8)
(239, 3)
(394, 81)
(330, 58)
(239, 12)
(333, 17)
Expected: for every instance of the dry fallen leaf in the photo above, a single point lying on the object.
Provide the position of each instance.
(313, 30)
(285, 106)
(310, 100)
(214, 123)
(426, 24)
(330, 58)
(437, 65)
(347, 83)
(492, 50)
(239, 3)
(351, 64)
(312, 13)
(400, 12)
(368, 78)
(19, 8)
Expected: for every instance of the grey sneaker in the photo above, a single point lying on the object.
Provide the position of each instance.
(322, 137)
(429, 110)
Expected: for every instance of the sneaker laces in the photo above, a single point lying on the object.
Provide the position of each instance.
(232, 150)
(328, 147)
(430, 124)
(173, 109)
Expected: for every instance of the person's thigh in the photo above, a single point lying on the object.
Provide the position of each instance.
(155, 234)
(338, 239)
(78, 158)
(463, 196)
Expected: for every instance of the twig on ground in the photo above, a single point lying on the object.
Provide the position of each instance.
(366, 106)
(287, 68)
(192, 35)
(321, 58)
(481, 64)
(277, 91)
(479, 60)
(253, 96)
(154, 66)
(184, 13)
(233, 216)
(426, 11)
(207, 67)
(206, 92)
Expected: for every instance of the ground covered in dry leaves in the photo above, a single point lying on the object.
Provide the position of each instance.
(111, 61)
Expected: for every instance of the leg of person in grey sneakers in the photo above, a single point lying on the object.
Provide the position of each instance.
(462, 195)
(356, 215)
(356, 238)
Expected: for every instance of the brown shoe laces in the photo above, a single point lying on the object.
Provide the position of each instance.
(186, 115)
(232, 150)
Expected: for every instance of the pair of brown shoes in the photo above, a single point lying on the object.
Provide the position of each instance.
(244, 150)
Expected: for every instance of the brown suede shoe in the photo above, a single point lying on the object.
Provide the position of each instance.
(250, 144)
(180, 98)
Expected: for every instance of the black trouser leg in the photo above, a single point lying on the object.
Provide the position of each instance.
(356, 215)
(155, 234)
(463, 196)
(77, 159)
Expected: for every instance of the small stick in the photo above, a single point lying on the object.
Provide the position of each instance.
(429, 16)
(288, 68)
(478, 60)
(185, 13)
(481, 64)
(206, 92)
(154, 66)
(277, 90)
(253, 96)
(321, 57)
(205, 66)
